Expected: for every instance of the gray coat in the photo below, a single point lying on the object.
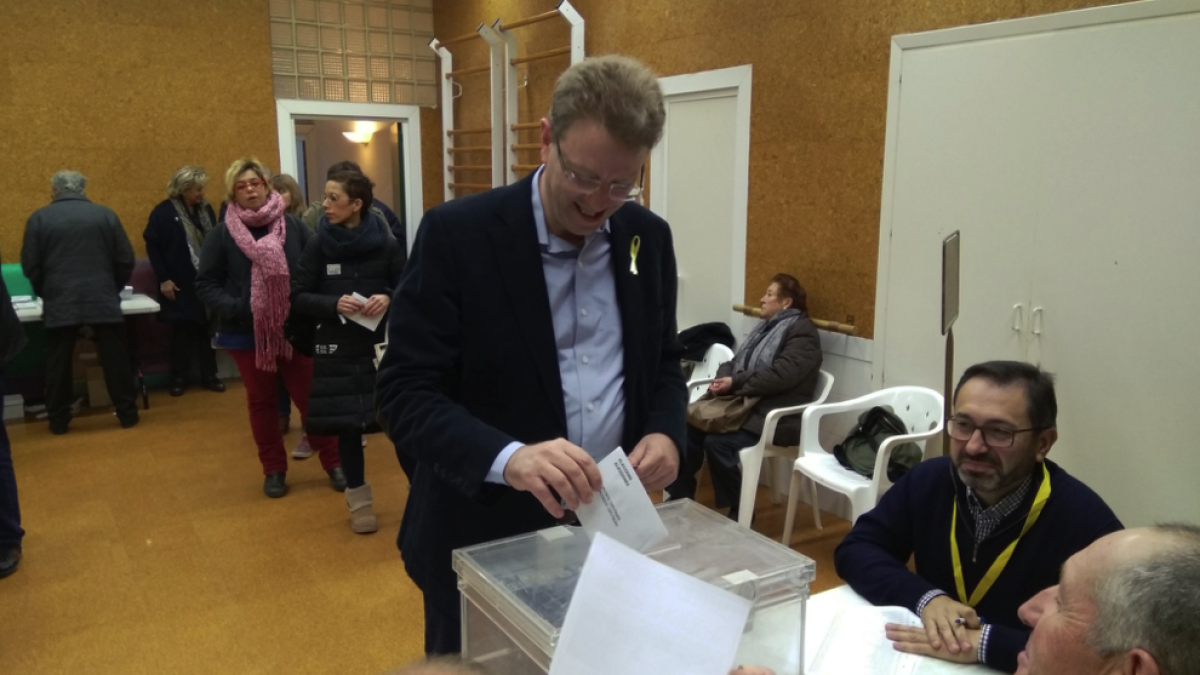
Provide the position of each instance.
(78, 258)
(789, 380)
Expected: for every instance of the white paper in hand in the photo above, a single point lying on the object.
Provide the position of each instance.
(368, 322)
(634, 616)
(622, 509)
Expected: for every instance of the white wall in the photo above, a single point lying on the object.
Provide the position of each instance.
(327, 146)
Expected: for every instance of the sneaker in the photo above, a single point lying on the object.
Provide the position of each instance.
(303, 449)
(274, 485)
(337, 479)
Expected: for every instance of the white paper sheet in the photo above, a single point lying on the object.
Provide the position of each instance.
(622, 509)
(368, 322)
(857, 645)
(634, 616)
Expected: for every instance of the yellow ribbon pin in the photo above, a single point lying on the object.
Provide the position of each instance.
(634, 247)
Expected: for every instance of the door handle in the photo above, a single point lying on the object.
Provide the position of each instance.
(1018, 317)
(1036, 321)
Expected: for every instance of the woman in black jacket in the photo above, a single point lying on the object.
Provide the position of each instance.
(174, 234)
(245, 275)
(779, 363)
(346, 276)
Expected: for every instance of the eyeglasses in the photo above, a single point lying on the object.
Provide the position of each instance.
(617, 192)
(993, 437)
(249, 185)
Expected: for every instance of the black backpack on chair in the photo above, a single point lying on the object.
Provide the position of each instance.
(859, 450)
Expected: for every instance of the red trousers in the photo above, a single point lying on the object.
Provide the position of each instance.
(262, 393)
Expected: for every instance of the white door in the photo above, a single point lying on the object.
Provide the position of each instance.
(1064, 147)
(698, 183)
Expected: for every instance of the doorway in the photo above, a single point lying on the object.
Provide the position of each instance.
(398, 132)
(699, 177)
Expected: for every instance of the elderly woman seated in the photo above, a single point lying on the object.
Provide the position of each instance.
(778, 363)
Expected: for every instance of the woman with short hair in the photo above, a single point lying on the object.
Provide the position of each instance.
(350, 270)
(245, 278)
(779, 363)
(174, 235)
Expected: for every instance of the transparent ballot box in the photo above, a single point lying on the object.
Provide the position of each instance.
(515, 591)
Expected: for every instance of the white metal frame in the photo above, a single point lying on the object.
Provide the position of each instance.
(287, 111)
(496, 47)
(1148, 9)
(738, 79)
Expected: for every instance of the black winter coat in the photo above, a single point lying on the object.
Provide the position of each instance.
(78, 258)
(790, 380)
(167, 248)
(343, 389)
(223, 280)
(12, 333)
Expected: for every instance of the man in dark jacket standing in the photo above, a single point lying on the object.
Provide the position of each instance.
(12, 340)
(78, 258)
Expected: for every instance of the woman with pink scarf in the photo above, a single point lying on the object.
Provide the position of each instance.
(245, 278)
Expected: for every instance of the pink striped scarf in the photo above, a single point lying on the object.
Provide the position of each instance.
(270, 282)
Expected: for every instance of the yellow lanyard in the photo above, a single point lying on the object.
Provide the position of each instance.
(634, 247)
(1001, 562)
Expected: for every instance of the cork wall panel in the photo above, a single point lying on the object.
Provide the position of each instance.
(125, 92)
(819, 107)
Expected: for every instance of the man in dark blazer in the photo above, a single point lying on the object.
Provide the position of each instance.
(533, 332)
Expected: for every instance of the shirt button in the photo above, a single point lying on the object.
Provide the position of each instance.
(585, 360)
(591, 407)
(583, 312)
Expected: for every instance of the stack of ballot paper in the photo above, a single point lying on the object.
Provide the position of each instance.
(368, 322)
(857, 645)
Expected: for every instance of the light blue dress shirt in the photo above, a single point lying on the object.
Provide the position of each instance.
(588, 336)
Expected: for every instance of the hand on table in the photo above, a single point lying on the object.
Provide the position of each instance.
(168, 289)
(942, 628)
(347, 305)
(376, 304)
(656, 461)
(557, 465)
(721, 385)
(916, 640)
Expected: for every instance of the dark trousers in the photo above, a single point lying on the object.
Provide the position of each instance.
(262, 399)
(443, 620)
(114, 357)
(350, 450)
(724, 465)
(10, 510)
(190, 343)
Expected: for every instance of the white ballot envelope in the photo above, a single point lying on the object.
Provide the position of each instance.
(368, 322)
(634, 616)
(622, 509)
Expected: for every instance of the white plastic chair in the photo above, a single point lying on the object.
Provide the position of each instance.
(706, 371)
(919, 408)
(752, 457)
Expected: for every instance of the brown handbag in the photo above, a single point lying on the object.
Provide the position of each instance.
(720, 414)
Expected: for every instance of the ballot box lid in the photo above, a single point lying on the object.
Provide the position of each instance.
(528, 580)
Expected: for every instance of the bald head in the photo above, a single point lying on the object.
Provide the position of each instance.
(1131, 599)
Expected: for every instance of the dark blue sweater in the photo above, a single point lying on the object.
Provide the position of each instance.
(913, 519)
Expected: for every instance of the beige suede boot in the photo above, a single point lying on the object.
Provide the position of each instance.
(362, 517)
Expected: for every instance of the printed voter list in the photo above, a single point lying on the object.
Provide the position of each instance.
(622, 509)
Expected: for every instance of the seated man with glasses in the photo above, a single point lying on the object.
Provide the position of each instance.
(988, 527)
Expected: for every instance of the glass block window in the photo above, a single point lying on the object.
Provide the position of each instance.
(371, 51)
